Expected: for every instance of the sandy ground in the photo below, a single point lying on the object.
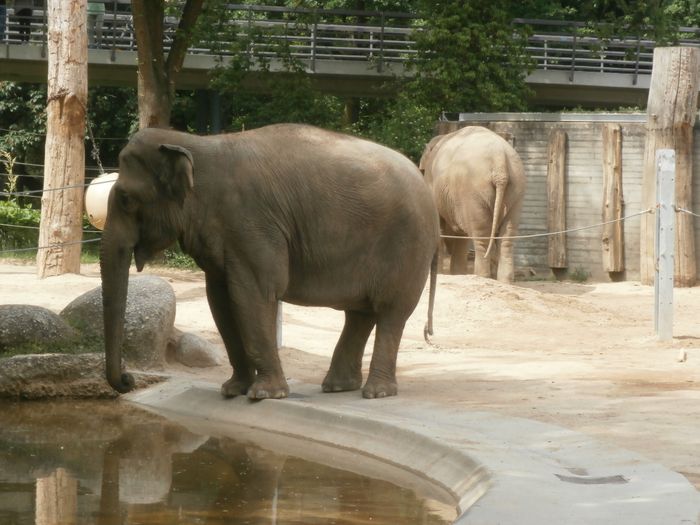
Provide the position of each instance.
(582, 356)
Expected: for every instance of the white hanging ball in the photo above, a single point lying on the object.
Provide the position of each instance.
(96, 196)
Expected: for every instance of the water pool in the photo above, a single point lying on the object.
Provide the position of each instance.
(110, 463)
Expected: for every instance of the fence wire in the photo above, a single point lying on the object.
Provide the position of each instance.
(548, 234)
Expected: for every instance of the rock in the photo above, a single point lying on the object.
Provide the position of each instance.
(40, 376)
(194, 351)
(54, 375)
(33, 329)
(150, 314)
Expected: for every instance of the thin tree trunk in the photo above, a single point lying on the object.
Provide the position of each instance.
(671, 109)
(157, 74)
(64, 157)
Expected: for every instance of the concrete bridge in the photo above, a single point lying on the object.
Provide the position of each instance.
(348, 53)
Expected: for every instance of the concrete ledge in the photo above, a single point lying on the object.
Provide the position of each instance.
(494, 469)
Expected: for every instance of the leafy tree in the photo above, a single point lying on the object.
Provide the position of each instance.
(158, 71)
(470, 57)
(23, 121)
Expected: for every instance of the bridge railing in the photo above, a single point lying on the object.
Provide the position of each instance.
(372, 37)
(570, 46)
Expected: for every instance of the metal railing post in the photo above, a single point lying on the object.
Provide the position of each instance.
(573, 57)
(314, 34)
(636, 63)
(45, 39)
(113, 54)
(380, 68)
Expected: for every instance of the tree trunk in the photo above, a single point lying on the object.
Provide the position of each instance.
(556, 199)
(64, 157)
(157, 74)
(671, 109)
(613, 233)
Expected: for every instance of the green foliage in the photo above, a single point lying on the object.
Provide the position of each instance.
(174, 258)
(113, 115)
(402, 124)
(22, 222)
(23, 120)
(470, 57)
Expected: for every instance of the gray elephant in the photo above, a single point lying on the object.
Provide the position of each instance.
(281, 213)
(478, 183)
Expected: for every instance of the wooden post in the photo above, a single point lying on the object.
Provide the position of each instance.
(556, 198)
(64, 157)
(671, 109)
(57, 499)
(613, 233)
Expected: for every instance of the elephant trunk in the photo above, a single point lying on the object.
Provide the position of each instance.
(115, 260)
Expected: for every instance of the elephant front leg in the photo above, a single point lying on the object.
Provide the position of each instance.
(220, 306)
(257, 321)
(345, 372)
(459, 256)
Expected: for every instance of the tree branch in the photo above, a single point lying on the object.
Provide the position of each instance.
(183, 36)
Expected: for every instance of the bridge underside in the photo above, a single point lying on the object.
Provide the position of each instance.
(551, 88)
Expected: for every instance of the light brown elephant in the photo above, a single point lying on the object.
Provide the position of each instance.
(478, 184)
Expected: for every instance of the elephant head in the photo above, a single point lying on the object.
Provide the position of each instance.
(144, 216)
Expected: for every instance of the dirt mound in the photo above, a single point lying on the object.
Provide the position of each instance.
(487, 300)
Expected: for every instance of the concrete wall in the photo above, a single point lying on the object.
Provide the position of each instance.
(584, 176)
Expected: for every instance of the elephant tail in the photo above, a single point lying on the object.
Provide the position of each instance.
(428, 330)
(500, 180)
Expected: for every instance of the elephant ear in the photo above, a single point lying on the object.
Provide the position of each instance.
(176, 177)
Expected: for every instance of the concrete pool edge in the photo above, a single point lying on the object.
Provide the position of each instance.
(498, 469)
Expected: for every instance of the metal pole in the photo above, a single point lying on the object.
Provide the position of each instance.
(664, 243)
(279, 324)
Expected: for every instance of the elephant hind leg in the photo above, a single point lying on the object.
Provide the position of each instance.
(381, 381)
(345, 372)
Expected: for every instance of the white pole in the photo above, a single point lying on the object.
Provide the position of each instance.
(279, 324)
(664, 243)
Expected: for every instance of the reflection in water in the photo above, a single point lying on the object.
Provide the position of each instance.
(70, 463)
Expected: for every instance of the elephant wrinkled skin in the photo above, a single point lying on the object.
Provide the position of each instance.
(478, 183)
(281, 213)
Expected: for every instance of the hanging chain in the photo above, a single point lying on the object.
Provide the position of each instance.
(95, 154)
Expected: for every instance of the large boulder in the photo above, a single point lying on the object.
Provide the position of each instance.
(41, 376)
(194, 351)
(148, 323)
(33, 329)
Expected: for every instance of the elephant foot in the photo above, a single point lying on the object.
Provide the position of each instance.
(377, 389)
(337, 383)
(268, 389)
(235, 387)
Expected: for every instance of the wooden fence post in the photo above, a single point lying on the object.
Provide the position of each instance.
(613, 233)
(671, 109)
(556, 198)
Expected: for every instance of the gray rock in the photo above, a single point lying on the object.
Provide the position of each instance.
(194, 351)
(150, 314)
(54, 375)
(32, 329)
(41, 376)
